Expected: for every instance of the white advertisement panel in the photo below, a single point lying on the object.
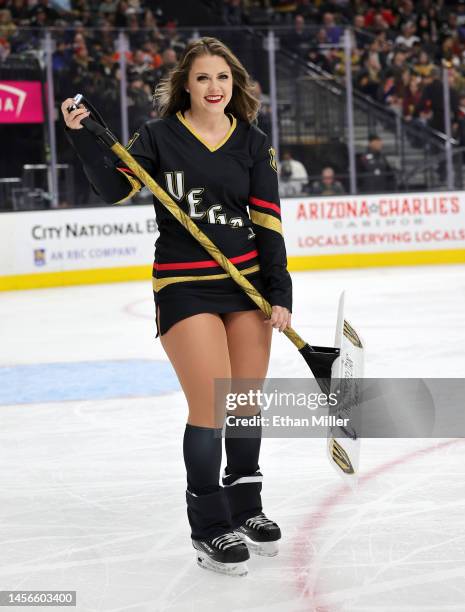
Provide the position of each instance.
(45, 248)
(369, 224)
(76, 239)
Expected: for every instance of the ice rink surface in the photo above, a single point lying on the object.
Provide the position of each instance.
(92, 475)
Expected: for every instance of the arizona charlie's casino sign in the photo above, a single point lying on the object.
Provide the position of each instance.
(374, 229)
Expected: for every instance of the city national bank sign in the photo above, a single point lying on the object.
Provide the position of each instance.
(45, 248)
(21, 102)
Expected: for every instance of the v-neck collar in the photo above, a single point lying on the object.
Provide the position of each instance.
(182, 119)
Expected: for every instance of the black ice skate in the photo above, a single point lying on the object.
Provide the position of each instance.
(225, 554)
(261, 535)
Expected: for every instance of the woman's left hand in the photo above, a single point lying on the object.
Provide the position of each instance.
(280, 318)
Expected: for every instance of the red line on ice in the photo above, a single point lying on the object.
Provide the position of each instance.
(303, 555)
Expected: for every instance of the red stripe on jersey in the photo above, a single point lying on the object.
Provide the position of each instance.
(188, 265)
(264, 204)
(127, 171)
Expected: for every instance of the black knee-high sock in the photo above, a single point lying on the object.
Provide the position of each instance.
(242, 443)
(202, 457)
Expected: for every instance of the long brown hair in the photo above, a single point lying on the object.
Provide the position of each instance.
(170, 95)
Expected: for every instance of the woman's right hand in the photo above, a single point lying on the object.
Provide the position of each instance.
(74, 118)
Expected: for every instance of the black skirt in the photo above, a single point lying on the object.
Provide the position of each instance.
(184, 299)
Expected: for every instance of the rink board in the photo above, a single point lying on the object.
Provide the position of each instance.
(113, 244)
(76, 246)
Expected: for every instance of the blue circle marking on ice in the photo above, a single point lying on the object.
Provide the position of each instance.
(86, 380)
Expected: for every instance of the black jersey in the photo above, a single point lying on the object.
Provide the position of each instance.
(230, 191)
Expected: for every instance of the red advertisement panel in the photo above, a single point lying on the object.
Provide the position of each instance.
(21, 102)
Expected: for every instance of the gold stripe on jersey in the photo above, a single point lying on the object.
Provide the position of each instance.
(267, 221)
(182, 119)
(161, 283)
(135, 186)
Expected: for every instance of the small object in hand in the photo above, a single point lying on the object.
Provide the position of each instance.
(76, 101)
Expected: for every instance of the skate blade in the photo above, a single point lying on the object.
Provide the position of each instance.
(229, 569)
(263, 549)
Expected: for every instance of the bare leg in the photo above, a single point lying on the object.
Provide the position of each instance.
(198, 349)
(249, 341)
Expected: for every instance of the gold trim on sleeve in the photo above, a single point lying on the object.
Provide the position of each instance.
(135, 186)
(161, 283)
(267, 221)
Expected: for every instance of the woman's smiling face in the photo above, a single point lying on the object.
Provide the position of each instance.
(210, 84)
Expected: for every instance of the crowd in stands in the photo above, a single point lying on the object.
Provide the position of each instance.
(375, 174)
(398, 48)
(397, 44)
(86, 56)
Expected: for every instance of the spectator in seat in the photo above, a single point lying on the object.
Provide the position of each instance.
(50, 15)
(292, 176)
(5, 49)
(298, 40)
(319, 59)
(333, 31)
(140, 64)
(398, 64)
(449, 27)
(108, 6)
(432, 100)
(406, 11)
(460, 125)
(412, 97)
(408, 37)
(369, 78)
(136, 35)
(423, 65)
(81, 67)
(122, 14)
(425, 25)
(264, 114)
(362, 37)
(377, 15)
(174, 38)
(169, 59)
(232, 13)
(461, 14)
(307, 10)
(152, 54)
(19, 11)
(451, 49)
(7, 26)
(139, 102)
(375, 172)
(327, 185)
